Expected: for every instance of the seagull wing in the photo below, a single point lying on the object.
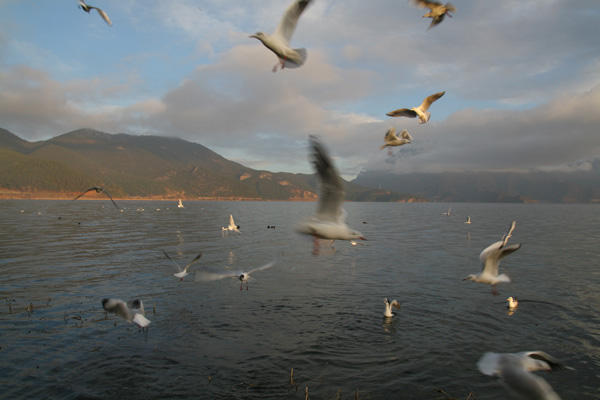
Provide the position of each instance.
(268, 265)
(103, 15)
(231, 222)
(206, 276)
(425, 4)
(551, 361)
(83, 193)
(395, 304)
(118, 307)
(390, 135)
(508, 234)
(289, 20)
(332, 188)
(193, 261)
(405, 135)
(430, 99)
(491, 256)
(110, 197)
(173, 261)
(402, 112)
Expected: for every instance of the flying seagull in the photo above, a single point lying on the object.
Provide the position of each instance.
(490, 259)
(515, 371)
(437, 11)
(468, 221)
(182, 272)
(447, 213)
(232, 226)
(243, 276)
(388, 313)
(279, 41)
(134, 314)
(420, 111)
(391, 139)
(98, 190)
(87, 9)
(328, 222)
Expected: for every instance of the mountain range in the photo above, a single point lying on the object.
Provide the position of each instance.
(574, 183)
(148, 167)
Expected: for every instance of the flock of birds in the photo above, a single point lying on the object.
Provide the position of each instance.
(328, 223)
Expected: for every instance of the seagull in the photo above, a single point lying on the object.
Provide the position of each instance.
(243, 276)
(98, 190)
(515, 371)
(437, 10)
(134, 314)
(391, 139)
(328, 222)
(513, 303)
(447, 213)
(87, 9)
(279, 41)
(388, 307)
(232, 226)
(420, 111)
(468, 221)
(490, 258)
(182, 272)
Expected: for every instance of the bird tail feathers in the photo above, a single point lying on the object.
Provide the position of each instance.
(302, 54)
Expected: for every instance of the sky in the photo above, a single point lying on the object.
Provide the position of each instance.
(522, 80)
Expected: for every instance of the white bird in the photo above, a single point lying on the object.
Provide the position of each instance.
(388, 313)
(243, 276)
(279, 41)
(328, 222)
(98, 190)
(512, 304)
(182, 272)
(420, 111)
(515, 371)
(437, 11)
(490, 259)
(468, 221)
(87, 9)
(134, 314)
(391, 139)
(232, 226)
(447, 213)
(180, 205)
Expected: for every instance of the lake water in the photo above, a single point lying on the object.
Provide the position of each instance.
(320, 315)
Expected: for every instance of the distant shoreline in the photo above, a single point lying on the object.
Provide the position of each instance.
(94, 196)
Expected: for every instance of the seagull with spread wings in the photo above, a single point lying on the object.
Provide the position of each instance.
(87, 9)
(98, 190)
(437, 11)
(391, 139)
(182, 271)
(420, 111)
(490, 261)
(279, 41)
(329, 221)
(134, 314)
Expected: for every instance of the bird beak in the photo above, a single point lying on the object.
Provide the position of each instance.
(362, 238)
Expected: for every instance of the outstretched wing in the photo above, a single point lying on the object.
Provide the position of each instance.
(83, 193)
(552, 362)
(425, 4)
(390, 134)
(332, 188)
(402, 112)
(206, 276)
(193, 261)
(430, 99)
(268, 265)
(289, 20)
(118, 307)
(173, 261)
(405, 135)
(508, 234)
(110, 197)
(103, 15)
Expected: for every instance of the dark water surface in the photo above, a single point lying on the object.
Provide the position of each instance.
(321, 316)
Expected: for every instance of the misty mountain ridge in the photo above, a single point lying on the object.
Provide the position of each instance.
(577, 182)
(147, 167)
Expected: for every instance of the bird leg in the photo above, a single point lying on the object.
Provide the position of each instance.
(317, 246)
(495, 291)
